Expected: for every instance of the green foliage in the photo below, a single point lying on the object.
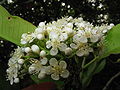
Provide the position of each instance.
(12, 27)
(87, 73)
(112, 42)
(111, 45)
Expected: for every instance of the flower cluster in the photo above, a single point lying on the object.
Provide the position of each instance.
(44, 51)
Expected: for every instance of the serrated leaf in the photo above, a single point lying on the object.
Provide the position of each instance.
(12, 27)
(112, 42)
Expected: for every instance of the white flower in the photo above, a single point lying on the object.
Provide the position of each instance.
(14, 67)
(57, 69)
(35, 48)
(27, 38)
(38, 68)
(42, 53)
(55, 44)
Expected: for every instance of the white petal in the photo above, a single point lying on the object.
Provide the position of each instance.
(41, 75)
(65, 73)
(48, 70)
(83, 39)
(80, 53)
(68, 51)
(63, 64)
(86, 52)
(55, 76)
(90, 49)
(62, 47)
(53, 62)
(44, 61)
(53, 51)
(74, 46)
(48, 44)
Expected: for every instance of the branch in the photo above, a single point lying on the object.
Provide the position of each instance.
(108, 83)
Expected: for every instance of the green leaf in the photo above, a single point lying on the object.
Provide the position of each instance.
(12, 27)
(91, 68)
(87, 73)
(100, 66)
(46, 79)
(85, 78)
(112, 42)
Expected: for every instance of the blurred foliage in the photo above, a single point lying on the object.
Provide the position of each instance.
(35, 11)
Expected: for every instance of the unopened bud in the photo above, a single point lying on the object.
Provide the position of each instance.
(27, 49)
(42, 53)
(35, 48)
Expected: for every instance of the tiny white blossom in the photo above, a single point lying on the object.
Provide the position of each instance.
(38, 68)
(57, 69)
(27, 38)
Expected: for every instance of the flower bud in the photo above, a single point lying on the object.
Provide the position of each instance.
(20, 61)
(27, 49)
(16, 80)
(42, 53)
(68, 51)
(35, 48)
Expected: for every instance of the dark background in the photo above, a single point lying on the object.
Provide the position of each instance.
(36, 11)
